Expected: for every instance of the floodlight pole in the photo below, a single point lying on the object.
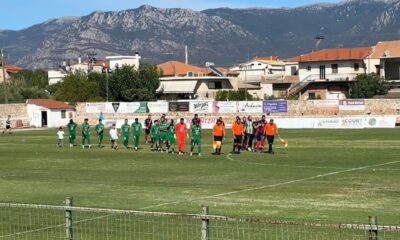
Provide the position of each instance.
(3, 64)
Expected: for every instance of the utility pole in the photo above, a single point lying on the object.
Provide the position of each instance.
(3, 64)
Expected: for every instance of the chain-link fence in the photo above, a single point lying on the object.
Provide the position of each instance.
(44, 222)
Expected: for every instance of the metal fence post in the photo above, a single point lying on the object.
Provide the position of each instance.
(68, 219)
(373, 231)
(205, 227)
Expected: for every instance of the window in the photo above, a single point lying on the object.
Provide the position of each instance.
(308, 68)
(356, 67)
(215, 85)
(335, 68)
(311, 95)
(293, 70)
(190, 74)
(63, 114)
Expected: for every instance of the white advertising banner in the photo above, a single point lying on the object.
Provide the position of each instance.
(352, 105)
(158, 107)
(224, 107)
(251, 107)
(201, 107)
(326, 104)
(96, 107)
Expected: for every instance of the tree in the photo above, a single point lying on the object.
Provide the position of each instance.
(26, 84)
(367, 86)
(128, 84)
(233, 95)
(76, 87)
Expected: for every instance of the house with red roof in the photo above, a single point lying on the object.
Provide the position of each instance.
(49, 113)
(326, 74)
(185, 81)
(10, 70)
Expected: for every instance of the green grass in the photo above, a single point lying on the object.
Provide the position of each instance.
(34, 170)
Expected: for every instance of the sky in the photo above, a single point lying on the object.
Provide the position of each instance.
(19, 14)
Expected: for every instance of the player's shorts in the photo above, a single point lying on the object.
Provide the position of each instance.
(85, 135)
(238, 139)
(100, 136)
(156, 138)
(136, 136)
(113, 141)
(259, 137)
(147, 131)
(196, 141)
(8, 127)
(163, 136)
(125, 137)
(171, 139)
(218, 138)
(217, 144)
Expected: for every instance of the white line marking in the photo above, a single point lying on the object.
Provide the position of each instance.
(271, 185)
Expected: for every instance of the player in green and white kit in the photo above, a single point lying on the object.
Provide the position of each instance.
(71, 132)
(155, 133)
(196, 137)
(171, 137)
(164, 125)
(85, 133)
(136, 130)
(100, 132)
(126, 129)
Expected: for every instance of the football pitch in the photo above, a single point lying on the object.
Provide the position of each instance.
(333, 176)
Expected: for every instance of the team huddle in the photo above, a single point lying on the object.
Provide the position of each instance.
(165, 135)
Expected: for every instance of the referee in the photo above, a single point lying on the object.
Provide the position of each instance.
(270, 130)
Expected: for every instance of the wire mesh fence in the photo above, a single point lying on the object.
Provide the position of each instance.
(28, 221)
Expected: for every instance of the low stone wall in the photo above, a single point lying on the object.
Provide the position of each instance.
(18, 112)
(376, 107)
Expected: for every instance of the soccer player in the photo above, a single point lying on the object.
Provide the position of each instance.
(218, 135)
(196, 137)
(114, 137)
(8, 125)
(256, 134)
(85, 133)
(171, 135)
(126, 131)
(164, 125)
(100, 132)
(270, 130)
(249, 131)
(262, 123)
(155, 134)
(245, 139)
(181, 131)
(147, 126)
(71, 132)
(136, 130)
(237, 130)
(60, 136)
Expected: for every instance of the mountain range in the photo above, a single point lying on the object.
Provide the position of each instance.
(224, 35)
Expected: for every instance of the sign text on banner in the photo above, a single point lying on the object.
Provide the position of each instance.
(275, 106)
(352, 105)
(201, 107)
(251, 107)
(224, 107)
(179, 106)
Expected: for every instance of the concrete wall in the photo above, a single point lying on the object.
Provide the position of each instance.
(296, 108)
(17, 111)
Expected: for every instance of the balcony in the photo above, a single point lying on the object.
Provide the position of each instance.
(330, 77)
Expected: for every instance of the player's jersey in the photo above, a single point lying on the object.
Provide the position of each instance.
(196, 131)
(261, 126)
(181, 129)
(155, 130)
(85, 128)
(100, 129)
(136, 128)
(148, 123)
(125, 129)
(171, 129)
(164, 126)
(71, 128)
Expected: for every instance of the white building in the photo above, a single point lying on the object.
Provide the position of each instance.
(49, 113)
(55, 76)
(258, 68)
(124, 60)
